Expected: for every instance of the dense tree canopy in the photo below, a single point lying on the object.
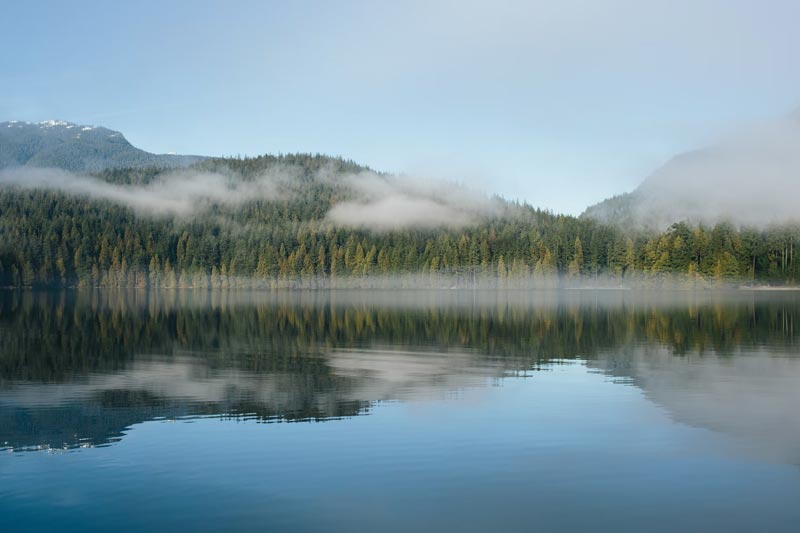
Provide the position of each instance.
(49, 238)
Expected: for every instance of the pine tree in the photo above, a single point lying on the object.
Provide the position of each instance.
(576, 264)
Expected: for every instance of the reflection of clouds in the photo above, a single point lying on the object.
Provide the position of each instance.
(328, 354)
(384, 374)
(366, 375)
(183, 380)
(751, 394)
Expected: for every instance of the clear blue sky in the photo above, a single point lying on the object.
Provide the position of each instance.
(560, 103)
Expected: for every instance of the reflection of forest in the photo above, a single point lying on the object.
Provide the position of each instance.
(85, 365)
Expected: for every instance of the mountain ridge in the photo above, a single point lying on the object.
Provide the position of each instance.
(750, 177)
(76, 148)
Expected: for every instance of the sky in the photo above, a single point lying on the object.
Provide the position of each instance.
(559, 103)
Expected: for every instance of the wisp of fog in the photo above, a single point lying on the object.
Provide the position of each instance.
(384, 203)
(375, 202)
(750, 178)
(172, 193)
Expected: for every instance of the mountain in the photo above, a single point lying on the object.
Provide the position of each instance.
(647, 206)
(751, 178)
(303, 220)
(77, 148)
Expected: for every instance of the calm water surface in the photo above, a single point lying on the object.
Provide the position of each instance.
(393, 411)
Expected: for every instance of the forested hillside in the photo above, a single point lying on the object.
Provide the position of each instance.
(51, 237)
(750, 176)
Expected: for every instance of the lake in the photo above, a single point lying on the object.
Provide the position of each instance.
(400, 410)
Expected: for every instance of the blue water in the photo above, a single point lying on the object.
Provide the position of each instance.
(362, 414)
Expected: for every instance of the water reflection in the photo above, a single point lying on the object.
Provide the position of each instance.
(78, 368)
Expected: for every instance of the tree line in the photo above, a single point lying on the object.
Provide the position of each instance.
(52, 239)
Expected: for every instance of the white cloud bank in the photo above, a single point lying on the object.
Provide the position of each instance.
(171, 193)
(384, 203)
(375, 202)
(751, 178)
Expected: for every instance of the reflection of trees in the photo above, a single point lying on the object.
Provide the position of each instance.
(54, 336)
(103, 418)
(277, 345)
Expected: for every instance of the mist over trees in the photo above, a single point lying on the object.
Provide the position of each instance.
(749, 176)
(52, 238)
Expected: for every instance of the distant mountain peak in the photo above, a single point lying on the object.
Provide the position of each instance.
(54, 123)
(75, 147)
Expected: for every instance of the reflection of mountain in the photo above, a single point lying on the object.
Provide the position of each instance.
(97, 409)
(751, 393)
(81, 367)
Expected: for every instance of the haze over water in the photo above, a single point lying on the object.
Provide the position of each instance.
(399, 410)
